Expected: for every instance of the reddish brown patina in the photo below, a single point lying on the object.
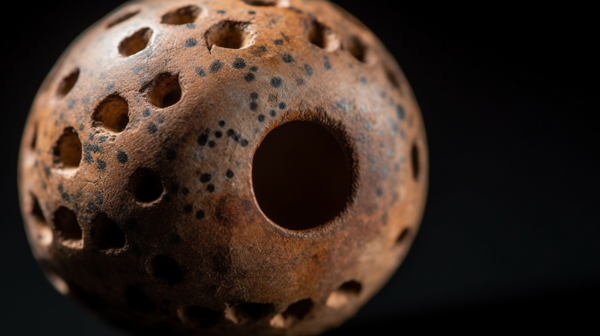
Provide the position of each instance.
(224, 167)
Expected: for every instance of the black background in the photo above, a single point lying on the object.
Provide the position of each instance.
(510, 235)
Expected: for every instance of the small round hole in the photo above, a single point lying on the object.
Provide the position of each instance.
(301, 176)
(42, 230)
(165, 90)
(343, 295)
(65, 222)
(228, 34)
(112, 113)
(391, 77)
(200, 317)
(402, 236)
(146, 185)
(137, 300)
(414, 159)
(262, 3)
(248, 312)
(322, 36)
(358, 49)
(293, 314)
(135, 43)
(165, 268)
(67, 151)
(182, 16)
(67, 84)
(122, 18)
(107, 234)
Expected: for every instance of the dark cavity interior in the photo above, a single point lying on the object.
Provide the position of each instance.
(146, 185)
(301, 176)
(165, 90)
(66, 224)
(68, 149)
(122, 18)
(107, 235)
(113, 113)
(228, 34)
(167, 269)
(136, 42)
(67, 84)
(261, 2)
(414, 159)
(182, 16)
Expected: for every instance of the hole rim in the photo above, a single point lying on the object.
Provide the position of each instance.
(130, 45)
(349, 149)
(248, 312)
(174, 16)
(293, 314)
(346, 293)
(262, 3)
(392, 78)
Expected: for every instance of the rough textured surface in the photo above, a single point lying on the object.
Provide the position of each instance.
(224, 167)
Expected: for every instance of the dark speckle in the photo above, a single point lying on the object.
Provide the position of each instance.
(210, 188)
(239, 63)
(308, 69)
(287, 58)
(152, 128)
(261, 118)
(191, 25)
(327, 63)
(254, 106)
(147, 112)
(171, 155)
(191, 42)
(249, 77)
(299, 81)
(92, 148)
(185, 191)
(282, 106)
(205, 178)
(379, 192)
(221, 123)
(216, 66)
(230, 174)
(251, 12)
(122, 157)
(278, 42)
(81, 127)
(400, 112)
(161, 119)
(254, 69)
(363, 80)
(244, 142)
(200, 214)
(218, 134)
(102, 139)
(221, 12)
(212, 144)
(276, 82)
(367, 125)
(101, 164)
(263, 49)
(254, 96)
(200, 72)
(273, 113)
(87, 157)
(188, 208)
(202, 139)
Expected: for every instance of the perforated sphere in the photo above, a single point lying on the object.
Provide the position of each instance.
(224, 167)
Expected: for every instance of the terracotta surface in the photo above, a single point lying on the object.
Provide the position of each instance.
(142, 194)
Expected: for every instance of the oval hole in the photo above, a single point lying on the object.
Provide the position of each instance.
(67, 151)
(181, 16)
(112, 113)
(165, 90)
(358, 49)
(165, 268)
(262, 3)
(65, 222)
(292, 315)
(135, 43)
(67, 84)
(107, 234)
(146, 185)
(343, 295)
(228, 34)
(322, 36)
(415, 161)
(122, 18)
(248, 312)
(301, 177)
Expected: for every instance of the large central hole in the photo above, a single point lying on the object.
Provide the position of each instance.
(301, 176)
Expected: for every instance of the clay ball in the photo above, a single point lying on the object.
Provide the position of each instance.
(223, 167)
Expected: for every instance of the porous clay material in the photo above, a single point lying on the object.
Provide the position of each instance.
(224, 167)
